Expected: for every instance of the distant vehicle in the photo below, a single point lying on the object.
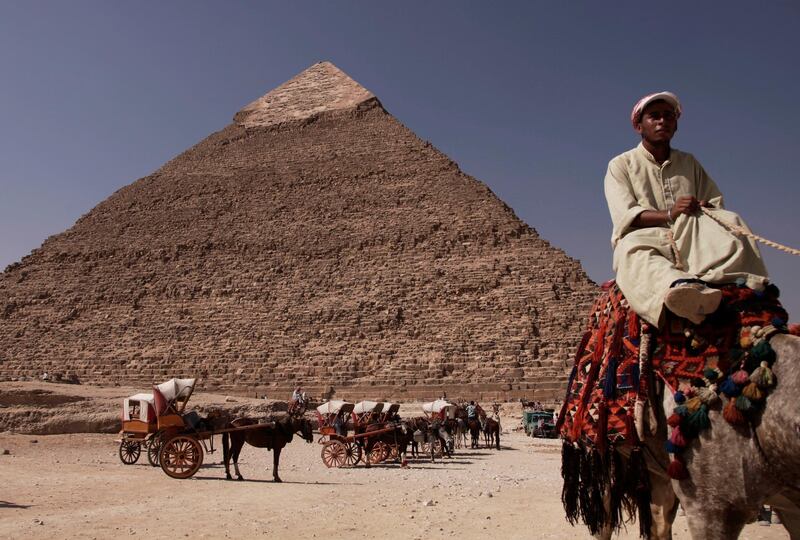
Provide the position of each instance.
(539, 424)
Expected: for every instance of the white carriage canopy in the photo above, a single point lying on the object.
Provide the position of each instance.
(391, 408)
(173, 390)
(436, 407)
(141, 404)
(368, 406)
(334, 406)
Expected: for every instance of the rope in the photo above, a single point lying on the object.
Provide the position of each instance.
(744, 232)
(675, 253)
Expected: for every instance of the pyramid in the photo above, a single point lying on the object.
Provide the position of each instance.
(316, 241)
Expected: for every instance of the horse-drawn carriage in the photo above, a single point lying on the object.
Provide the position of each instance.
(440, 412)
(174, 439)
(372, 428)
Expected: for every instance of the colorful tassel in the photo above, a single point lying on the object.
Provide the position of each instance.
(740, 377)
(730, 388)
(681, 410)
(711, 374)
(677, 470)
(743, 403)
(733, 415)
(672, 448)
(763, 376)
(631, 437)
(674, 420)
(761, 351)
(610, 382)
(708, 395)
(602, 428)
(693, 404)
(753, 392)
(698, 420)
(677, 438)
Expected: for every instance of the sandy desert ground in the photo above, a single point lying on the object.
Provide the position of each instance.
(74, 486)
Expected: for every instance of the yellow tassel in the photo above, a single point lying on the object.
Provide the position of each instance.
(693, 404)
(753, 392)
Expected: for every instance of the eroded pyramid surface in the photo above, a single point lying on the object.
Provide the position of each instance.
(315, 240)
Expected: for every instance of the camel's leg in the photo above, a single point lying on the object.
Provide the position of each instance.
(226, 455)
(276, 458)
(714, 522)
(787, 506)
(663, 507)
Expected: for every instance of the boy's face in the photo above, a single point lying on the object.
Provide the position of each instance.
(659, 122)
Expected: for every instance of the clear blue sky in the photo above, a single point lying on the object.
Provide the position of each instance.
(532, 98)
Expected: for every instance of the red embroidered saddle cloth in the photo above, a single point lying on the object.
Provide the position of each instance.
(611, 373)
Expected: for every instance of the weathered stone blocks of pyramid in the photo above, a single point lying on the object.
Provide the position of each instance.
(315, 240)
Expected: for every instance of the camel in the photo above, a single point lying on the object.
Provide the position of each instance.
(734, 470)
(731, 470)
(269, 437)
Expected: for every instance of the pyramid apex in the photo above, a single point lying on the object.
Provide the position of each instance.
(321, 88)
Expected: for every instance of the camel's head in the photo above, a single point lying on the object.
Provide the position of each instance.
(779, 430)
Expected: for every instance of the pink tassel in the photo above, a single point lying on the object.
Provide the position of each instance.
(741, 377)
(677, 437)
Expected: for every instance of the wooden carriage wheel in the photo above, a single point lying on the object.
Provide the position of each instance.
(352, 454)
(181, 456)
(129, 451)
(153, 449)
(380, 451)
(334, 454)
(394, 452)
(437, 448)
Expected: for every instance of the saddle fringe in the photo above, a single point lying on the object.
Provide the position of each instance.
(590, 476)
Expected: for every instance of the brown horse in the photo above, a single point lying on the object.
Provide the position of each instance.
(491, 433)
(272, 437)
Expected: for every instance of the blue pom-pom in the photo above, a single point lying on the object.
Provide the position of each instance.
(740, 282)
(730, 388)
(778, 322)
(679, 397)
(671, 448)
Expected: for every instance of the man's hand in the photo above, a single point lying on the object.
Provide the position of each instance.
(686, 205)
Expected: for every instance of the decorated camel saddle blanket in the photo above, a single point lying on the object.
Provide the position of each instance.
(620, 356)
(619, 359)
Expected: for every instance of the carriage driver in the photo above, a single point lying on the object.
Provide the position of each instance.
(666, 250)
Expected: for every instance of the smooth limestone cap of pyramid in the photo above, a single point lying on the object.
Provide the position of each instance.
(321, 88)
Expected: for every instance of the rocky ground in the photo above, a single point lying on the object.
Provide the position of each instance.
(74, 486)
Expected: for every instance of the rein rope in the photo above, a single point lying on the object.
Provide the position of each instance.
(744, 232)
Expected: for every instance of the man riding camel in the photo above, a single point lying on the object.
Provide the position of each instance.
(666, 250)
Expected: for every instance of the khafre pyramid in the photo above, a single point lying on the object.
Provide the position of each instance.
(315, 240)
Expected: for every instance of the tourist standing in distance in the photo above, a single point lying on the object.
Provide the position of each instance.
(666, 250)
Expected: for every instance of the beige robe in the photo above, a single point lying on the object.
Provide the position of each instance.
(643, 259)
